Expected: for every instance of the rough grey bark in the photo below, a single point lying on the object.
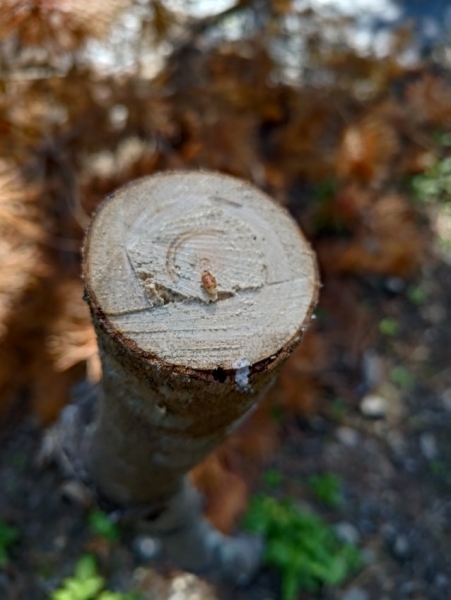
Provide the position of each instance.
(199, 288)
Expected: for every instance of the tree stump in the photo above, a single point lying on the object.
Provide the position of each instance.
(199, 287)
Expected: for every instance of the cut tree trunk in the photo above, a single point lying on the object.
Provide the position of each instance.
(199, 288)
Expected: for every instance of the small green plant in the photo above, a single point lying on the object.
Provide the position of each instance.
(101, 525)
(8, 535)
(435, 183)
(325, 190)
(272, 478)
(87, 584)
(338, 409)
(327, 489)
(327, 219)
(434, 187)
(417, 295)
(389, 327)
(301, 545)
(443, 138)
(402, 377)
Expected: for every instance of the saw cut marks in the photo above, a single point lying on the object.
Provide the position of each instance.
(174, 248)
(200, 270)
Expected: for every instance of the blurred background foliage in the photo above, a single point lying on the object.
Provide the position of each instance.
(351, 136)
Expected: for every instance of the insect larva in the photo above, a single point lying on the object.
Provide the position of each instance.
(209, 284)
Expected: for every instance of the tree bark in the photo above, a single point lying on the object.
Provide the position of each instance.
(199, 288)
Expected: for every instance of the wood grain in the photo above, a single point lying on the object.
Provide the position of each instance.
(150, 245)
